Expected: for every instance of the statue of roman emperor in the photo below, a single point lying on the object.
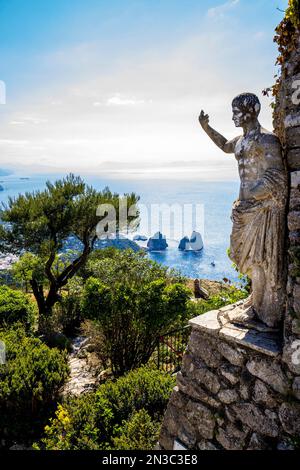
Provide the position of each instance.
(258, 216)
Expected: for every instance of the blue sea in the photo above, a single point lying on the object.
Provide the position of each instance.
(214, 198)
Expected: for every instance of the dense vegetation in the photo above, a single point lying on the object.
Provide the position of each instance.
(29, 384)
(118, 414)
(120, 300)
(132, 302)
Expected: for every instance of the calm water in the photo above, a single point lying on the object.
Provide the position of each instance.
(216, 198)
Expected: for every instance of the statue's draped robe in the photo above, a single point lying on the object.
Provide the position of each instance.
(258, 229)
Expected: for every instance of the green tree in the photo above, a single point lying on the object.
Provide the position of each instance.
(41, 222)
(133, 303)
(27, 267)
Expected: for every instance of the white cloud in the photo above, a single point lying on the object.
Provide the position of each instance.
(28, 120)
(221, 10)
(118, 100)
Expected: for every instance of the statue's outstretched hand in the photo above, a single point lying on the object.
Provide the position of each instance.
(204, 119)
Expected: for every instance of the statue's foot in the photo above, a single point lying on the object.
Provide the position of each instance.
(244, 315)
(250, 319)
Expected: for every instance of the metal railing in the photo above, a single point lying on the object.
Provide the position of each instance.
(170, 349)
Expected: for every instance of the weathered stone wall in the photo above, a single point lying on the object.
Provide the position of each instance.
(287, 126)
(233, 392)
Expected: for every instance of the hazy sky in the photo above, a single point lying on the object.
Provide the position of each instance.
(115, 86)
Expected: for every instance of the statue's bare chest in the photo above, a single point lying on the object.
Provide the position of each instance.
(250, 155)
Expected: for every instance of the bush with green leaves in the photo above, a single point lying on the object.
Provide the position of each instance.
(16, 307)
(132, 407)
(140, 432)
(229, 295)
(131, 316)
(30, 382)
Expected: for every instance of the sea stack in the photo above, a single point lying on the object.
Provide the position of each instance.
(195, 243)
(157, 243)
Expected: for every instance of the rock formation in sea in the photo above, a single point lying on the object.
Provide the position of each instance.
(157, 243)
(195, 243)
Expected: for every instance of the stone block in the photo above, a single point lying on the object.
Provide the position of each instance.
(291, 354)
(202, 419)
(228, 396)
(291, 93)
(208, 322)
(296, 326)
(165, 440)
(289, 415)
(294, 204)
(263, 396)
(231, 373)
(295, 180)
(293, 137)
(228, 441)
(245, 391)
(292, 120)
(269, 372)
(195, 391)
(234, 355)
(296, 387)
(198, 371)
(204, 349)
(266, 343)
(186, 436)
(171, 420)
(293, 159)
(294, 221)
(178, 399)
(253, 417)
(206, 445)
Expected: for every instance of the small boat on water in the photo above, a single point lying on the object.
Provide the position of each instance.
(1, 188)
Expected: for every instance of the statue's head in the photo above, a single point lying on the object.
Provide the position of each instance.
(245, 107)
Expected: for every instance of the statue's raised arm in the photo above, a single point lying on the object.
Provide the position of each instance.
(228, 146)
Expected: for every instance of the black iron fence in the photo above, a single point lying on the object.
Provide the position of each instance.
(170, 349)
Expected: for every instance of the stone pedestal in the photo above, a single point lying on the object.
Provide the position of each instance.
(234, 390)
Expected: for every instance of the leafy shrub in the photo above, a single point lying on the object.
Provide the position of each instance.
(108, 417)
(16, 307)
(132, 317)
(29, 383)
(139, 433)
